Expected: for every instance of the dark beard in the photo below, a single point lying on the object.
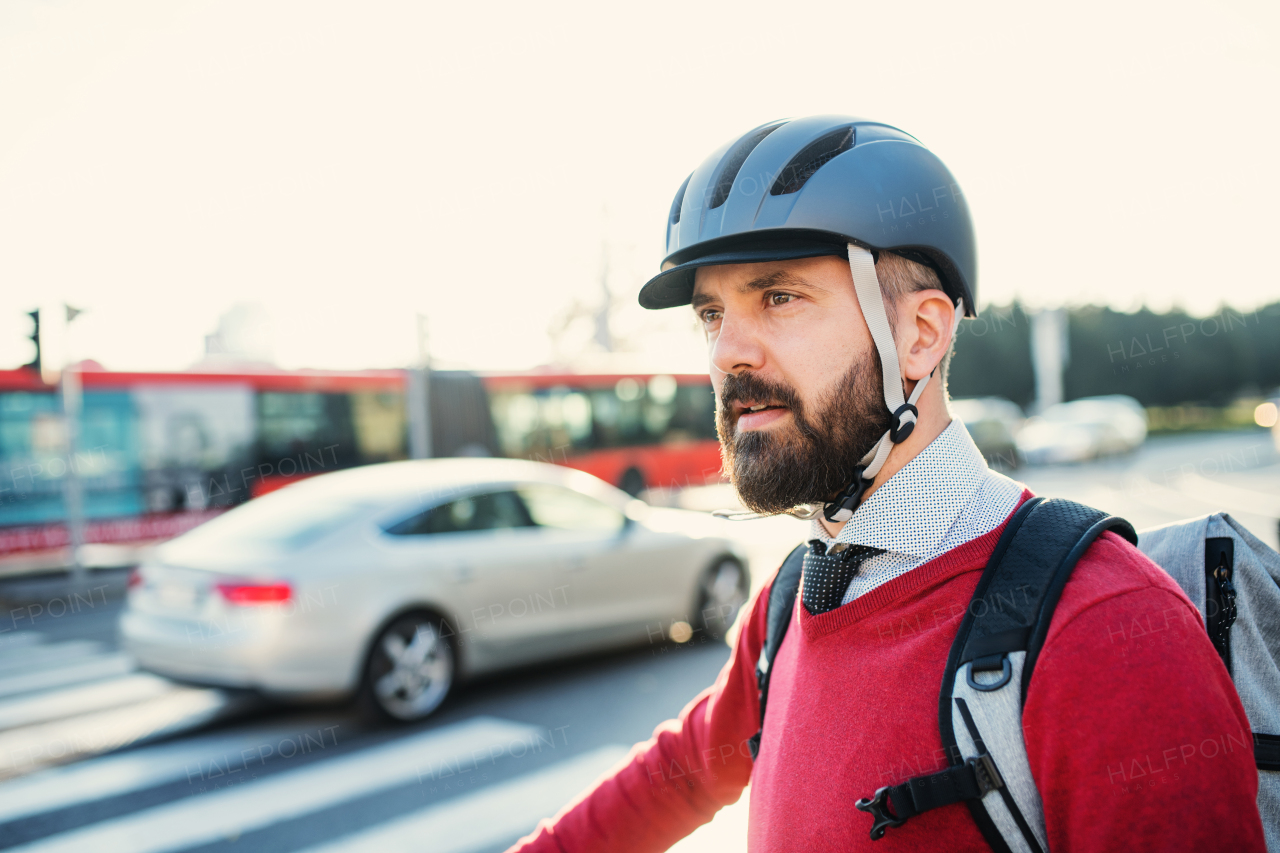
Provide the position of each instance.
(811, 459)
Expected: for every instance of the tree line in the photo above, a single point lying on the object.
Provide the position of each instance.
(1161, 359)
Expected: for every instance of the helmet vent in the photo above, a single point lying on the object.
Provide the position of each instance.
(733, 162)
(679, 202)
(811, 158)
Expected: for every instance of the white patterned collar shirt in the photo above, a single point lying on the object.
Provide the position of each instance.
(942, 498)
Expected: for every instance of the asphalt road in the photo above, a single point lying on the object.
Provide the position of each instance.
(547, 730)
(1175, 477)
(97, 756)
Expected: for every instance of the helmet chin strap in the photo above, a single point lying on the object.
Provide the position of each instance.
(904, 412)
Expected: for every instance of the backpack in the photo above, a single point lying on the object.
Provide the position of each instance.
(1230, 575)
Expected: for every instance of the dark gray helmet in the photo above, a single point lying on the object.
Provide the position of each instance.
(808, 187)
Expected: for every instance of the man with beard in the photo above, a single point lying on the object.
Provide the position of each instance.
(828, 261)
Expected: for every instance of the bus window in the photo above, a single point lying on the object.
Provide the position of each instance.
(379, 426)
(308, 433)
(659, 406)
(196, 445)
(31, 449)
(516, 417)
(695, 412)
(33, 452)
(551, 423)
(543, 424)
(108, 456)
(619, 415)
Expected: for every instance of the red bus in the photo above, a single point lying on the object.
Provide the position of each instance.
(636, 431)
(160, 452)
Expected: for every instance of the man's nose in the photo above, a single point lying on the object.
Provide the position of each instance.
(737, 347)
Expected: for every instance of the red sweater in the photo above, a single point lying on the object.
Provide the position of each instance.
(1134, 732)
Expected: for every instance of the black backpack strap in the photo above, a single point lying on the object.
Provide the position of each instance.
(1266, 751)
(1220, 593)
(1009, 613)
(1019, 590)
(782, 602)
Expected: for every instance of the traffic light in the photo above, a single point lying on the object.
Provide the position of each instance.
(34, 364)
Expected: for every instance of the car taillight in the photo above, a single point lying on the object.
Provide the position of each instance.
(135, 579)
(241, 592)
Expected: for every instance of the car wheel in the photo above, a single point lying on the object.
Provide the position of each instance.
(410, 669)
(724, 588)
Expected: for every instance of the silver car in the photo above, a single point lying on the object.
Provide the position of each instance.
(392, 582)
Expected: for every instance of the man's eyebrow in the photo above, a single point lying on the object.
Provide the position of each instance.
(700, 299)
(780, 278)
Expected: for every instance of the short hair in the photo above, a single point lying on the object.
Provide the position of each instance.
(900, 276)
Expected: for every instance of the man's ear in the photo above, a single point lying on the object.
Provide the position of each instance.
(925, 318)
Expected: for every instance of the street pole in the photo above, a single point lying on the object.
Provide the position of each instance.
(1049, 355)
(72, 485)
(418, 398)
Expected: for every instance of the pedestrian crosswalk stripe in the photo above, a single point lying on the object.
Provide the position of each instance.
(233, 811)
(10, 640)
(80, 671)
(492, 815)
(41, 656)
(52, 705)
(30, 748)
(127, 772)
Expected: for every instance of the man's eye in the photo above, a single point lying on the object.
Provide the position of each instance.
(780, 298)
(710, 315)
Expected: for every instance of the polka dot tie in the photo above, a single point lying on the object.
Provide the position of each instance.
(826, 576)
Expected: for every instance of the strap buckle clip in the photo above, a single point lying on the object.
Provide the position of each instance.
(878, 807)
(841, 509)
(899, 431)
(986, 664)
(985, 772)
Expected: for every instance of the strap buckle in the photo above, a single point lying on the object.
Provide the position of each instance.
(899, 431)
(972, 780)
(841, 509)
(986, 664)
(878, 808)
(985, 772)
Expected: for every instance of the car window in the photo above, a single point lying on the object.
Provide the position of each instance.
(565, 509)
(489, 511)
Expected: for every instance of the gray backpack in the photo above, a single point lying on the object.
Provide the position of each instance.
(1227, 573)
(1235, 581)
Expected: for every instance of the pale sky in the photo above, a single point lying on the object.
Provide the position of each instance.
(349, 165)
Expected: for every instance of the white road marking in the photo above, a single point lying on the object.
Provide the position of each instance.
(57, 704)
(90, 669)
(231, 812)
(492, 815)
(146, 767)
(42, 656)
(12, 639)
(27, 749)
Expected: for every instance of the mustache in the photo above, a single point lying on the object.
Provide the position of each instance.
(814, 455)
(747, 387)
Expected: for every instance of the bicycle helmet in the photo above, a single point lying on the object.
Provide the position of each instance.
(826, 185)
